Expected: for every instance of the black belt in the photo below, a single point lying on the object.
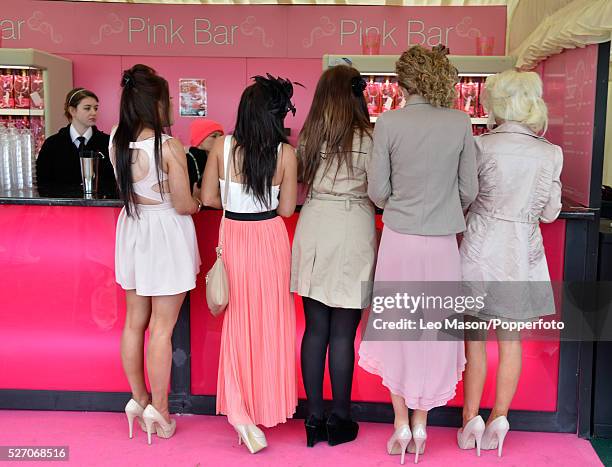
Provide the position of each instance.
(251, 216)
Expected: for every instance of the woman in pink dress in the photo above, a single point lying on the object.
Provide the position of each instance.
(519, 176)
(423, 173)
(257, 381)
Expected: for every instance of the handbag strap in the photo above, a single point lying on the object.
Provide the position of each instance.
(227, 160)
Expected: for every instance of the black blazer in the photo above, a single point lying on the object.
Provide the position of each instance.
(58, 161)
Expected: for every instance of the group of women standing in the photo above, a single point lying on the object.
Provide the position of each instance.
(420, 164)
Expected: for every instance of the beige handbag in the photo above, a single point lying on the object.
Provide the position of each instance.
(217, 285)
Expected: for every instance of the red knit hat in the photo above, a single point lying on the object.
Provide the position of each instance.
(202, 128)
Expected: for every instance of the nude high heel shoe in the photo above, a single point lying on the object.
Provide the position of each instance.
(133, 410)
(254, 440)
(258, 435)
(495, 434)
(417, 445)
(398, 443)
(153, 419)
(471, 434)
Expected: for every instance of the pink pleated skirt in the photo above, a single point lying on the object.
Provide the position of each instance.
(257, 380)
(424, 373)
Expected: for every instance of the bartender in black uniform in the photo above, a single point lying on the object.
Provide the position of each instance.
(58, 166)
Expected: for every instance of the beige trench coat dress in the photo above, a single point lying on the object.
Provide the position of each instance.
(334, 248)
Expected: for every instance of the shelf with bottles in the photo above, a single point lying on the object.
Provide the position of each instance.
(383, 93)
(21, 88)
(22, 103)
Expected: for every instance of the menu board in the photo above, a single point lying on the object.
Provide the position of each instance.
(569, 91)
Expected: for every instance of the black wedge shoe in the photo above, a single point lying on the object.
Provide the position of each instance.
(315, 430)
(341, 430)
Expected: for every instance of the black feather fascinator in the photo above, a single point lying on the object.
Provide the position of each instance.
(280, 91)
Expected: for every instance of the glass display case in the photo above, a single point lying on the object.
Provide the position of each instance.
(33, 86)
(383, 93)
(22, 103)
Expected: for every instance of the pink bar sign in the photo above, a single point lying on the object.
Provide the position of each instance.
(390, 30)
(246, 30)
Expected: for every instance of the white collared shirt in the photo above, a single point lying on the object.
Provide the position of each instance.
(74, 135)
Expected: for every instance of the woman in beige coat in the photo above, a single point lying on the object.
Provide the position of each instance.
(334, 249)
(519, 176)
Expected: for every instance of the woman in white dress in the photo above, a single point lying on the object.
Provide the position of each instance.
(156, 255)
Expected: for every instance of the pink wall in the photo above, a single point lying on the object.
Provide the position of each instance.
(569, 90)
(226, 78)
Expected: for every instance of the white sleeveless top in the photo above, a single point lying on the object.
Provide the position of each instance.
(145, 187)
(239, 200)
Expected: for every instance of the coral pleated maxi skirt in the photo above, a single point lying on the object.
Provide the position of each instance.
(257, 381)
(424, 372)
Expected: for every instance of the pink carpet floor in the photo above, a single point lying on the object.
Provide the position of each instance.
(102, 439)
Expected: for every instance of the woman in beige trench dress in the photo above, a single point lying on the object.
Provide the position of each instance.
(334, 249)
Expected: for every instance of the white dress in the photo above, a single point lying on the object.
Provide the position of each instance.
(156, 250)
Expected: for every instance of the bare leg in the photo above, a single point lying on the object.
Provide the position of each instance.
(159, 353)
(419, 417)
(475, 369)
(474, 377)
(132, 344)
(508, 372)
(400, 409)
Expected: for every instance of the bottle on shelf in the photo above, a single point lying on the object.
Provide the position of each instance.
(388, 94)
(458, 96)
(372, 93)
(7, 99)
(469, 93)
(37, 98)
(22, 90)
(400, 99)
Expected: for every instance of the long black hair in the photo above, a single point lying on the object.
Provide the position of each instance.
(145, 104)
(258, 132)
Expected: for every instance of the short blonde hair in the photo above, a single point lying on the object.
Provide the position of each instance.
(428, 73)
(517, 96)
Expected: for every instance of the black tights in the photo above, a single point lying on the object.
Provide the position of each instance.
(335, 327)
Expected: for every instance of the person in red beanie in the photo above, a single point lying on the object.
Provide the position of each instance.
(204, 132)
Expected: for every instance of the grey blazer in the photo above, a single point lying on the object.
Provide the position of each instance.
(423, 168)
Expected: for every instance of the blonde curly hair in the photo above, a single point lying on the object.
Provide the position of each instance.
(428, 73)
(516, 96)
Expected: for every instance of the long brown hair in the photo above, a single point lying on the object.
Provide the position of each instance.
(145, 103)
(338, 111)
